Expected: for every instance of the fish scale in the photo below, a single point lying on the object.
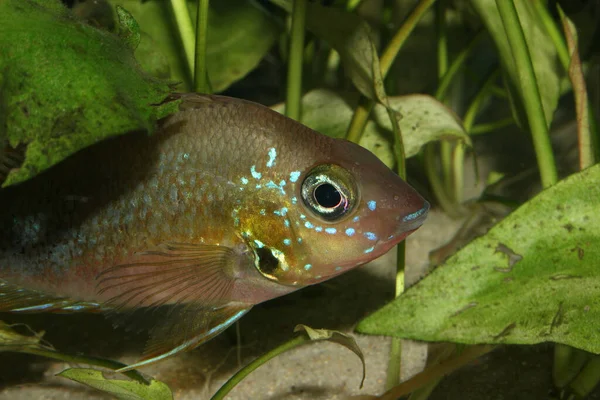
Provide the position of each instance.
(215, 212)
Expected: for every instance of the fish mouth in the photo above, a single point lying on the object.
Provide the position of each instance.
(414, 220)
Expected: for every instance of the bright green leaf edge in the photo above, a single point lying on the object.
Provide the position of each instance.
(121, 389)
(532, 278)
(67, 85)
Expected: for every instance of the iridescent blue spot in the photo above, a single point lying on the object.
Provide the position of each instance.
(258, 186)
(302, 216)
(186, 156)
(355, 219)
(299, 240)
(307, 267)
(294, 200)
(294, 176)
(287, 241)
(338, 268)
(308, 225)
(287, 223)
(259, 244)
(284, 211)
(331, 231)
(370, 249)
(263, 212)
(272, 157)
(244, 180)
(277, 212)
(255, 175)
(372, 205)
(370, 235)
(350, 231)
(319, 229)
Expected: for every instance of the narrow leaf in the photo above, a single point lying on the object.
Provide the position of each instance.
(121, 389)
(542, 50)
(532, 278)
(11, 340)
(336, 337)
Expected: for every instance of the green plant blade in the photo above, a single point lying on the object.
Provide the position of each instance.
(121, 389)
(543, 53)
(351, 37)
(67, 85)
(532, 278)
(423, 120)
(11, 340)
(239, 36)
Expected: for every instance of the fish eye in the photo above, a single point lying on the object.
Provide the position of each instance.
(329, 191)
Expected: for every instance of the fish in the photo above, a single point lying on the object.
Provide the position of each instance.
(227, 205)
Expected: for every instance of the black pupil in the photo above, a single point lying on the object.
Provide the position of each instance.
(327, 195)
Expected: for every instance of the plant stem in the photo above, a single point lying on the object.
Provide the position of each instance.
(95, 361)
(200, 71)
(455, 66)
(293, 101)
(555, 35)
(244, 372)
(392, 49)
(480, 129)
(529, 91)
(186, 31)
(588, 378)
(362, 111)
(568, 362)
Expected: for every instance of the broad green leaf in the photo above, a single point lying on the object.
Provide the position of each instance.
(67, 85)
(336, 337)
(239, 36)
(121, 389)
(352, 38)
(542, 50)
(532, 278)
(424, 120)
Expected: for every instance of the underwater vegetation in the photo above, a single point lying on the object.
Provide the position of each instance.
(174, 166)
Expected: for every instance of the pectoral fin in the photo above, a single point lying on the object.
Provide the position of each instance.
(183, 328)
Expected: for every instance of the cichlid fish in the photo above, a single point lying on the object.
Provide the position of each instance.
(228, 205)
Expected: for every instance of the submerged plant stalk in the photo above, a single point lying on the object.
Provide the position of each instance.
(293, 101)
(186, 31)
(200, 70)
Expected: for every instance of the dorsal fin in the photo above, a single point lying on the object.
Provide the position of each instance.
(14, 298)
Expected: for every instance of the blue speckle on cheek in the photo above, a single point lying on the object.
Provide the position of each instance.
(370, 236)
(287, 241)
(299, 240)
(307, 267)
(294, 176)
(319, 229)
(372, 205)
(338, 268)
(263, 212)
(370, 249)
(244, 180)
(272, 157)
(255, 175)
(286, 223)
(355, 219)
(294, 200)
(350, 231)
(331, 231)
(308, 225)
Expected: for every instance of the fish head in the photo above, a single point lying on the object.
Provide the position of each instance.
(341, 210)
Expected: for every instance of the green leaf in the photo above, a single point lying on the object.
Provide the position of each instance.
(239, 36)
(542, 50)
(121, 389)
(67, 85)
(11, 340)
(424, 120)
(532, 278)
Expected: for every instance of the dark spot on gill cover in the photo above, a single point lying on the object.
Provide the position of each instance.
(267, 262)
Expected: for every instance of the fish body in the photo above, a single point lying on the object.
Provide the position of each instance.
(228, 205)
